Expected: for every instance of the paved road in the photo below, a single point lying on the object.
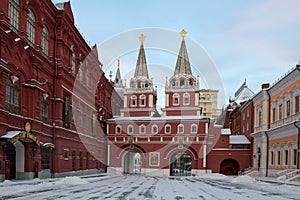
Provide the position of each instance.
(140, 187)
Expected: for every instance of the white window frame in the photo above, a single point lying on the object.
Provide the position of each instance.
(143, 97)
(169, 126)
(73, 63)
(192, 126)
(45, 41)
(31, 27)
(284, 157)
(178, 128)
(280, 157)
(186, 99)
(176, 96)
(271, 162)
(116, 131)
(128, 128)
(142, 127)
(133, 98)
(152, 129)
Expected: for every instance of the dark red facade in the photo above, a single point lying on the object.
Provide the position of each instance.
(49, 78)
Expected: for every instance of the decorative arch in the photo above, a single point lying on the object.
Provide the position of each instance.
(127, 147)
(171, 150)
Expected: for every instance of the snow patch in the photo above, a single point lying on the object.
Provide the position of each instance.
(7, 182)
(243, 179)
(72, 180)
(214, 176)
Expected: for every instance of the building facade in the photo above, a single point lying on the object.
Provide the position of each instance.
(180, 142)
(51, 111)
(276, 125)
(209, 103)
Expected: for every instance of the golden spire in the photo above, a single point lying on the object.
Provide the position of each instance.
(142, 38)
(183, 33)
(118, 63)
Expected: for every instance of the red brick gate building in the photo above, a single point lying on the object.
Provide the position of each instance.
(180, 142)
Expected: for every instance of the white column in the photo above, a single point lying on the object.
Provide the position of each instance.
(108, 155)
(197, 99)
(150, 100)
(125, 101)
(167, 99)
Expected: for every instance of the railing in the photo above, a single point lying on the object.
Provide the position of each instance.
(246, 171)
(292, 174)
(284, 172)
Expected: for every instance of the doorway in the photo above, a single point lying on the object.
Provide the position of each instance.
(229, 167)
(181, 164)
(132, 163)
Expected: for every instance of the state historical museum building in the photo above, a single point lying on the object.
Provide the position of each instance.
(178, 142)
(45, 129)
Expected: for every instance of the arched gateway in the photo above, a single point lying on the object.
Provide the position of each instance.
(229, 167)
(180, 164)
(132, 163)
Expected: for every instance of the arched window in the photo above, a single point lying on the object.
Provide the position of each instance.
(133, 100)
(194, 128)
(142, 100)
(180, 128)
(87, 77)
(176, 99)
(168, 128)
(44, 108)
(12, 94)
(154, 129)
(73, 62)
(130, 129)
(13, 14)
(31, 28)
(186, 99)
(142, 129)
(139, 85)
(182, 82)
(80, 72)
(118, 129)
(94, 122)
(45, 41)
(80, 112)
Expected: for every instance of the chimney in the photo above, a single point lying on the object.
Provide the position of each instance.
(265, 86)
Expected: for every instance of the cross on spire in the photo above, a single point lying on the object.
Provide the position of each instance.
(183, 33)
(142, 38)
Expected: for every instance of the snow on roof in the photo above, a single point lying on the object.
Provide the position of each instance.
(238, 139)
(10, 134)
(225, 131)
(60, 6)
(157, 118)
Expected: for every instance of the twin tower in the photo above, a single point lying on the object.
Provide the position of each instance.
(181, 90)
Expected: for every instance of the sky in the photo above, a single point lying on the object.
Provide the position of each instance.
(256, 40)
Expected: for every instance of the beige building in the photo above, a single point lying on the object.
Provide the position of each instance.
(276, 133)
(209, 103)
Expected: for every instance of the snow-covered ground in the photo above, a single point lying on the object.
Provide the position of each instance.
(213, 186)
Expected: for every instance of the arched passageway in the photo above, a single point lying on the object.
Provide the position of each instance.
(181, 164)
(229, 167)
(132, 163)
